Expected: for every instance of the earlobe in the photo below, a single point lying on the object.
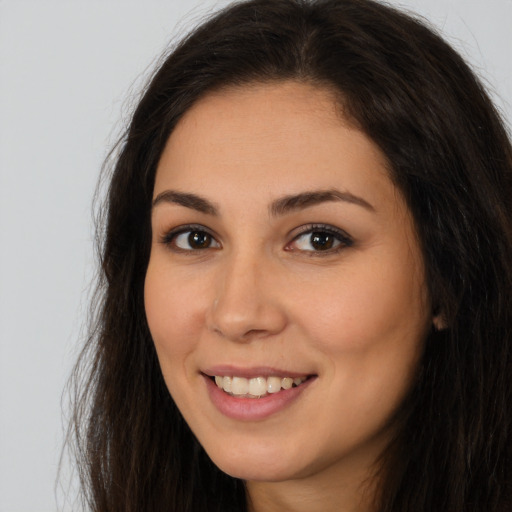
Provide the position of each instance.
(439, 322)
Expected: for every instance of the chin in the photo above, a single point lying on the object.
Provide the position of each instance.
(262, 466)
(256, 472)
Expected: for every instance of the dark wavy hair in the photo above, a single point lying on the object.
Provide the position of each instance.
(451, 157)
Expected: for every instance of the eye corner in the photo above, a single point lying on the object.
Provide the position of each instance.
(189, 239)
(329, 240)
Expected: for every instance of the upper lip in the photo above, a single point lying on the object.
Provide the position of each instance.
(252, 372)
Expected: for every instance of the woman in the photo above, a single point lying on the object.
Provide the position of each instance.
(306, 275)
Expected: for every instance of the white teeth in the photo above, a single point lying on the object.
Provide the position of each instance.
(226, 384)
(273, 384)
(239, 386)
(257, 386)
(287, 383)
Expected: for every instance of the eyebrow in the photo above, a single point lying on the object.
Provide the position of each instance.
(192, 201)
(279, 207)
(295, 202)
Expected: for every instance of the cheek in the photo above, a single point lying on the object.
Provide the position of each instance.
(375, 306)
(370, 327)
(173, 308)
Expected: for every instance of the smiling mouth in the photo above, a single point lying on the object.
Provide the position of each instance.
(257, 387)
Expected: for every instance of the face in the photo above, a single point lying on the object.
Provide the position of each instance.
(285, 289)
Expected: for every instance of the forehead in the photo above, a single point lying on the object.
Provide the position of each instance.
(271, 139)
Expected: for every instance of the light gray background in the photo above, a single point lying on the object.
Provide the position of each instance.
(68, 72)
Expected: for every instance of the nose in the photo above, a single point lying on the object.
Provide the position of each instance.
(247, 301)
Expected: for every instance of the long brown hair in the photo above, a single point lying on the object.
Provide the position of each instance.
(414, 96)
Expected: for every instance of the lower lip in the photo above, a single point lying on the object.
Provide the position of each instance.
(253, 409)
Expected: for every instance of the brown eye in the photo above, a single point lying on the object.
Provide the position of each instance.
(317, 241)
(322, 241)
(199, 240)
(193, 240)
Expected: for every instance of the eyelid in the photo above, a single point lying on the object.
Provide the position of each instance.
(344, 238)
(170, 235)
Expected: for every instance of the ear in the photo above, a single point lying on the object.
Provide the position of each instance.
(439, 322)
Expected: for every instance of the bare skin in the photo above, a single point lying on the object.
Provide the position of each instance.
(281, 246)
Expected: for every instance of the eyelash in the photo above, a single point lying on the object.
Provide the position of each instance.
(343, 239)
(169, 238)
